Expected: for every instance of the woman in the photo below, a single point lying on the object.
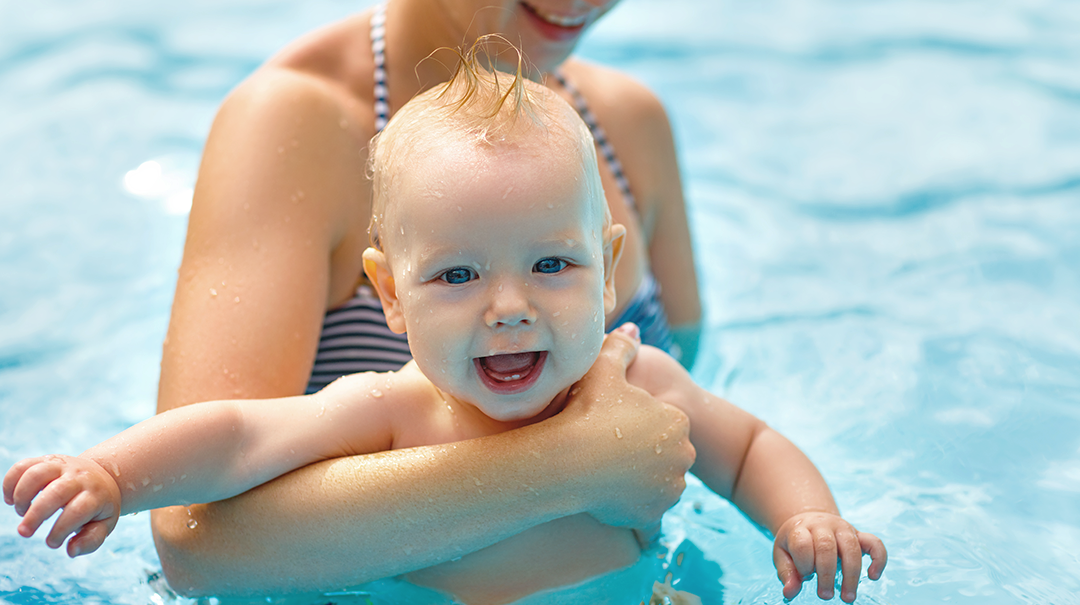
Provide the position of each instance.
(273, 253)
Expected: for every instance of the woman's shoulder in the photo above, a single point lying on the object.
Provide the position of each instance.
(615, 94)
(327, 71)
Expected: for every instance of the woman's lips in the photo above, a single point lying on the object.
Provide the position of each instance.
(554, 27)
(512, 373)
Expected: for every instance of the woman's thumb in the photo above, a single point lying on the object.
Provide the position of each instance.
(621, 345)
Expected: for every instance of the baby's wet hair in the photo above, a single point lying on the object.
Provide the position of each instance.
(480, 105)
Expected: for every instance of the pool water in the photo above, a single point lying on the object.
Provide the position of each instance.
(885, 200)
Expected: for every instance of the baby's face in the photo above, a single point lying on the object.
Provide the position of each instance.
(498, 259)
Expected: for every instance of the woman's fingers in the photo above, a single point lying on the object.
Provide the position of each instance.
(621, 347)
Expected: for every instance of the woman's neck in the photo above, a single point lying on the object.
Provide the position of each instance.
(415, 31)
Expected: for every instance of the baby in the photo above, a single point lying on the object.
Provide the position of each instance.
(492, 247)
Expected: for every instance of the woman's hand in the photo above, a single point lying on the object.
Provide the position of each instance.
(38, 487)
(639, 448)
(811, 543)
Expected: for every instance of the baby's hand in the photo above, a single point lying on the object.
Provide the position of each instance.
(810, 543)
(38, 487)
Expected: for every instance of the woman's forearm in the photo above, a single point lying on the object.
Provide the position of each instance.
(347, 521)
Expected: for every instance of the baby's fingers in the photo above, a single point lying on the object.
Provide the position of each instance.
(54, 496)
(81, 510)
(825, 562)
(851, 563)
(872, 545)
(786, 571)
(33, 480)
(11, 478)
(90, 537)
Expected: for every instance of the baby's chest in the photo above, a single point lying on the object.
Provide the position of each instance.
(560, 552)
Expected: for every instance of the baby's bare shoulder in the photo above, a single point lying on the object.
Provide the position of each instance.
(659, 374)
(403, 405)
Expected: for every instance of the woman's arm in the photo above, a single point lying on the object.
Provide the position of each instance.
(346, 521)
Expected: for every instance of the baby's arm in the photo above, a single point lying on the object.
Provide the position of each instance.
(740, 458)
(199, 453)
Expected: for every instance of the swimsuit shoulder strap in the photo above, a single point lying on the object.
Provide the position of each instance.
(600, 137)
(378, 50)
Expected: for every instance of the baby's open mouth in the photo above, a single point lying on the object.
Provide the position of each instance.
(512, 372)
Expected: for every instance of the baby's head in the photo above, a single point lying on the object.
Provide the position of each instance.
(492, 245)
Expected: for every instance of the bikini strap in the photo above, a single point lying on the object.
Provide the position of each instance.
(378, 50)
(600, 137)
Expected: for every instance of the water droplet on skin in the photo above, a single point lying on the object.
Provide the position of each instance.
(663, 436)
(478, 481)
(115, 469)
(500, 288)
(322, 410)
(192, 523)
(145, 481)
(157, 488)
(236, 300)
(213, 292)
(618, 433)
(130, 486)
(659, 449)
(376, 393)
(551, 206)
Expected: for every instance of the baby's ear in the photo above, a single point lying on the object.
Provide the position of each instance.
(613, 249)
(378, 271)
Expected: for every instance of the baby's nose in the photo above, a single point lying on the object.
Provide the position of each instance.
(510, 306)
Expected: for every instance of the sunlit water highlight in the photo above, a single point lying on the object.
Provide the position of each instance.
(884, 198)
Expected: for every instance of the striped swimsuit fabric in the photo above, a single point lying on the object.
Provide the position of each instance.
(355, 337)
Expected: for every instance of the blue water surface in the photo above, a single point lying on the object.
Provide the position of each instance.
(885, 201)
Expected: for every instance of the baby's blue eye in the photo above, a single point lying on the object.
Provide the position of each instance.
(457, 275)
(549, 265)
